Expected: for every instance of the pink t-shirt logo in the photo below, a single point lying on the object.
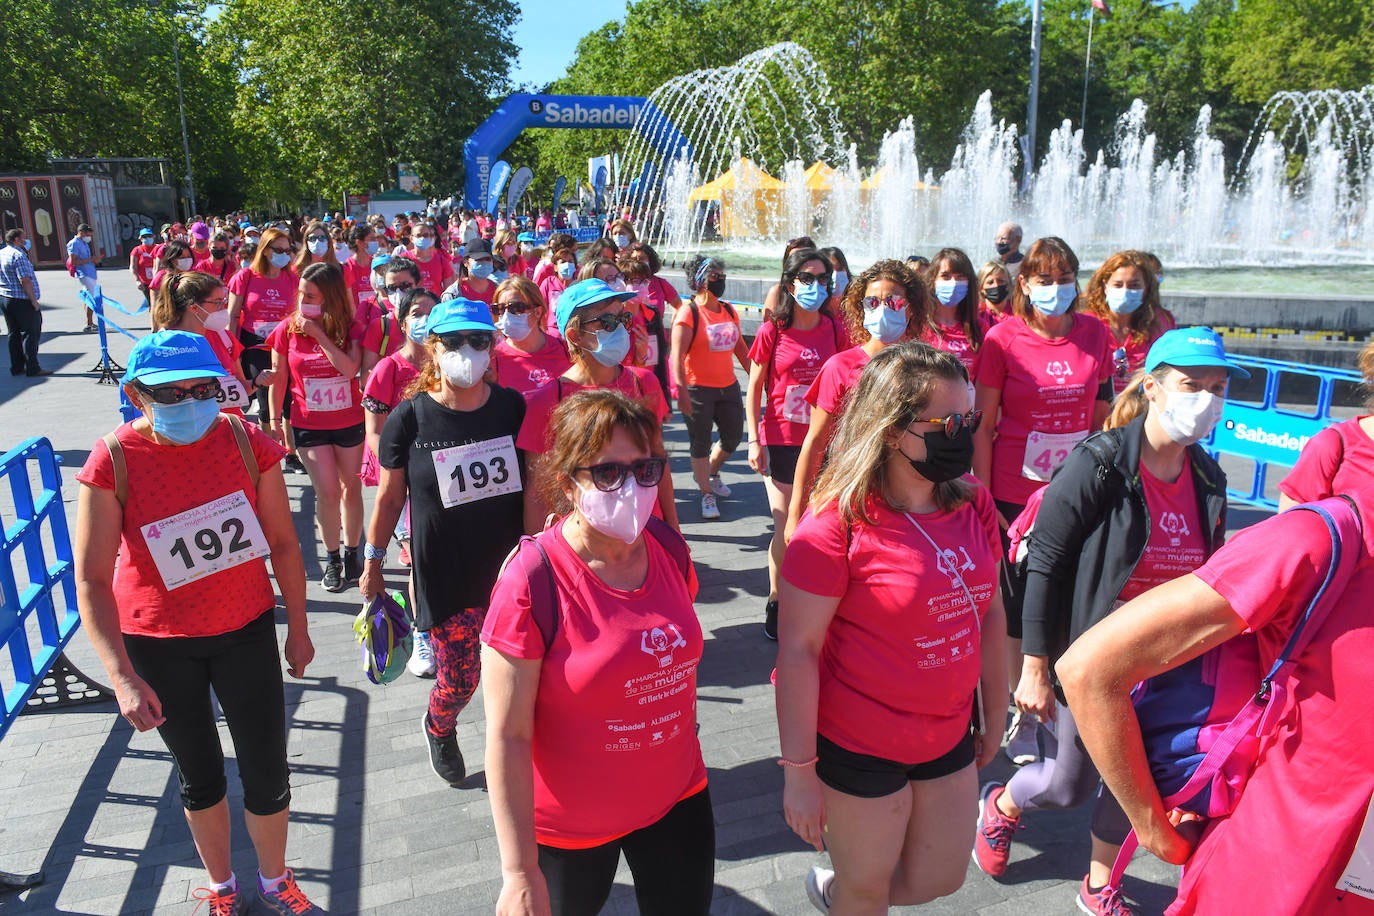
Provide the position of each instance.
(539, 377)
(1059, 370)
(810, 355)
(655, 642)
(948, 563)
(1175, 526)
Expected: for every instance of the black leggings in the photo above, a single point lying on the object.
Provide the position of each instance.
(1013, 586)
(243, 670)
(672, 861)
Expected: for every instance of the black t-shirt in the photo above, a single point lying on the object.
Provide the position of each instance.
(465, 479)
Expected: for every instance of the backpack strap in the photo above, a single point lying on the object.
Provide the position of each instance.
(386, 332)
(672, 542)
(121, 469)
(245, 449)
(696, 320)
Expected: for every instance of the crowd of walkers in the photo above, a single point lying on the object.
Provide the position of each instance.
(989, 501)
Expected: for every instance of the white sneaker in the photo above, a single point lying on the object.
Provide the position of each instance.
(421, 662)
(1022, 747)
(709, 509)
(718, 487)
(818, 883)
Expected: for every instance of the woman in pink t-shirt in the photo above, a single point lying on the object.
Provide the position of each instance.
(956, 324)
(1044, 375)
(1131, 508)
(318, 248)
(195, 302)
(1124, 295)
(883, 305)
(562, 272)
(994, 291)
(786, 358)
(890, 642)
(317, 353)
(589, 660)
(528, 357)
(392, 376)
(260, 298)
(1337, 459)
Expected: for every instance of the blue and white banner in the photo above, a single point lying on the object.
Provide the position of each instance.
(559, 187)
(519, 184)
(500, 173)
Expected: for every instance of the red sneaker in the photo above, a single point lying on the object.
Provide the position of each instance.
(992, 844)
(1109, 901)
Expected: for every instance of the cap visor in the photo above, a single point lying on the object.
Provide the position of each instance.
(163, 376)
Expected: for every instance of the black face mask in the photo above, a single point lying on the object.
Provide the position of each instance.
(1003, 247)
(996, 294)
(716, 288)
(946, 458)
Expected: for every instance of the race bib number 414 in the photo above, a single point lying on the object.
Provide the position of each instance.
(469, 473)
(199, 542)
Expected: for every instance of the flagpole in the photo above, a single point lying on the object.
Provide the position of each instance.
(1087, 67)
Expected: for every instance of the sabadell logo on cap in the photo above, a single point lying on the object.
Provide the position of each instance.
(1203, 342)
(175, 351)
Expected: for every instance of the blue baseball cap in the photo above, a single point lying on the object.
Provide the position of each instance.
(145, 232)
(459, 315)
(1188, 348)
(379, 259)
(244, 224)
(171, 356)
(526, 237)
(585, 294)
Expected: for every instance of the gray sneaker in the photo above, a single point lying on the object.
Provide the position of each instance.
(818, 883)
(286, 899)
(709, 510)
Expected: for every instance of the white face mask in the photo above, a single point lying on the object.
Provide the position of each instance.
(184, 263)
(620, 513)
(465, 366)
(217, 320)
(1188, 416)
(516, 327)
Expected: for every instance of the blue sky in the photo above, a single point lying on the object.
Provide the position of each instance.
(548, 33)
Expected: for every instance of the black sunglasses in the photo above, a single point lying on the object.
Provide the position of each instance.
(170, 394)
(398, 287)
(953, 423)
(318, 238)
(610, 321)
(478, 340)
(515, 308)
(610, 476)
(810, 279)
(218, 252)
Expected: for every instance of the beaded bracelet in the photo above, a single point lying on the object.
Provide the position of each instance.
(784, 762)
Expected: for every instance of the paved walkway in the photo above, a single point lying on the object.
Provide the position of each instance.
(93, 804)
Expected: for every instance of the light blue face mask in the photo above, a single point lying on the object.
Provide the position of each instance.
(811, 297)
(951, 291)
(612, 346)
(841, 281)
(480, 270)
(1123, 300)
(280, 259)
(887, 325)
(318, 248)
(186, 422)
(566, 270)
(418, 328)
(372, 247)
(1053, 300)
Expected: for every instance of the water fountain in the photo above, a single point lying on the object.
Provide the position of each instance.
(1301, 192)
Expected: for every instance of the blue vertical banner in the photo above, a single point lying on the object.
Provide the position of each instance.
(599, 187)
(500, 173)
(559, 187)
(519, 184)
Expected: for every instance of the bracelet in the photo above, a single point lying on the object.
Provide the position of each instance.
(784, 762)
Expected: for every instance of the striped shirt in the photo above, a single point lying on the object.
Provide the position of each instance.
(14, 265)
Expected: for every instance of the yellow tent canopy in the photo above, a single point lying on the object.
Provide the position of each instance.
(744, 176)
(820, 177)
(746, 194)
(875, 181)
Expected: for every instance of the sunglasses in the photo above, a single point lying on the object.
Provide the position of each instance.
(219, 252)
(215, 304)
(810, 279)
(317, 238)
(518, 307)
(896, 303)
(478, 340)
(276, 250)
(398, 287)
(170, 394)
(611, 475)
(609, 322)
(953, 423)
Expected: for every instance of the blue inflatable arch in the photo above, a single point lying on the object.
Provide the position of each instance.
(521, 111)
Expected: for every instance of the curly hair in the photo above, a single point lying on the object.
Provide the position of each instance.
(852, 308)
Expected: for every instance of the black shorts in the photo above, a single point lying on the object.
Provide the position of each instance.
(874, 777)
(782, 463)
(348, 437)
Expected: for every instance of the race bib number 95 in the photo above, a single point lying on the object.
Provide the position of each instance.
(468, 473)
(199, 542)
(231, 393)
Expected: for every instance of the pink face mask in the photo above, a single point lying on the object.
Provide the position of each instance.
(311, 310)
(620, 513)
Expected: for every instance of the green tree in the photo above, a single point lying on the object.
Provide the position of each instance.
(331, 100)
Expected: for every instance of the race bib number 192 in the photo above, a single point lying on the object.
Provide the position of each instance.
(199, 542)
(468, 473)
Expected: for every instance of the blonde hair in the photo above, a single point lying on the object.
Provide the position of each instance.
(1366, 364)
(1131, 402)
(528, 291)
(893, 391)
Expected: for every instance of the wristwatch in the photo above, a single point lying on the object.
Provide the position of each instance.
(373, 553)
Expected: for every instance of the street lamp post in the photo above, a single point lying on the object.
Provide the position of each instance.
(1033, 103)
(181, 109)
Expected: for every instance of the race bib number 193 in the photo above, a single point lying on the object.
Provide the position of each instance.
(199, 542)
(468, 473)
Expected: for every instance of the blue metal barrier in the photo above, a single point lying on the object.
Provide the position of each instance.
(1256, 425)
(37, 621)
